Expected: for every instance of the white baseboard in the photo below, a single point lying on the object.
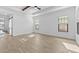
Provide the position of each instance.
(46, 34)
(23, 34)
(56, 36)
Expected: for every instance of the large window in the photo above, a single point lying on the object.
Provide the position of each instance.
(63, 24)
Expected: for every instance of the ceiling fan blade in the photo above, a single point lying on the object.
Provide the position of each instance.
(30, 6)
(37, 7)
(25, 8)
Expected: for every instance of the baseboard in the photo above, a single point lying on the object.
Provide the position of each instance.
(55, 36)
(22, 34)
(43, 34)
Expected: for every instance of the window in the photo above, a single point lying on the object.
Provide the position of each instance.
(63, 24)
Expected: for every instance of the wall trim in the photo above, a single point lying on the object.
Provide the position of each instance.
(56, 36)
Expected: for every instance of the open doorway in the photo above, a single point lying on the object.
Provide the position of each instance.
(36, 25)
(5, 25)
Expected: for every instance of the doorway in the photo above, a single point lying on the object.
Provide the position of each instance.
(35, 25)
(6, 25)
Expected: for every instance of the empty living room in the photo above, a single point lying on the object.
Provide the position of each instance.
(39, 29)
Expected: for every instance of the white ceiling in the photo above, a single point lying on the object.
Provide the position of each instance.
(21, 7)
(30, 10)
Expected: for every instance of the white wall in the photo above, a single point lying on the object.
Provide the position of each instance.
(77, 20)
(49, 23)
(22, 23)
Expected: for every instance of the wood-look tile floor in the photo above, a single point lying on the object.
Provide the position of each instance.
(37, 43)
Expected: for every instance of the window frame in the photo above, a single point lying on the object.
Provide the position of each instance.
(63, 18)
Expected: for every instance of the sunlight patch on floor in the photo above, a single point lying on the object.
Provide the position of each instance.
(71, 47)
(24, 39)
(32, 35)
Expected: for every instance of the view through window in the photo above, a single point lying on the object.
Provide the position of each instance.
(63, 24)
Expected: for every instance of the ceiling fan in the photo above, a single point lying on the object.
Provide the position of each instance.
(30, 6)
